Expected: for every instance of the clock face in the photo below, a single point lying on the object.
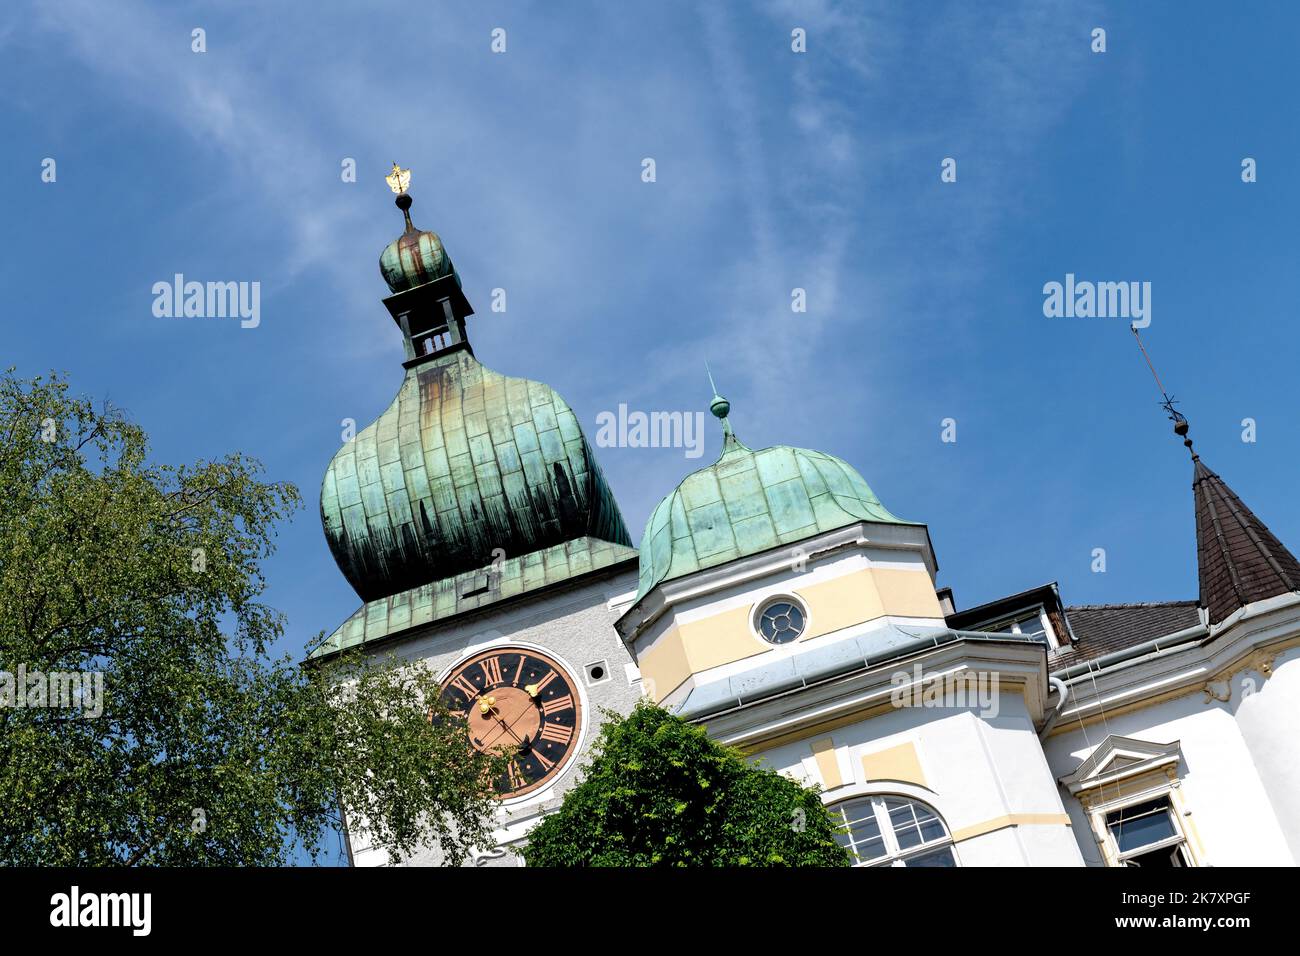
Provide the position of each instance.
(512, 697)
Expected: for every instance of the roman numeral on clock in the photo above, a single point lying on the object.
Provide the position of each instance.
(492, 671)
(465, 687)
(558, 733)
(541, 759)
(560, 703)
(541, 684)
(515, 775)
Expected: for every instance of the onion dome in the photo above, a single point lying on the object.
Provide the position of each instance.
(749, 501)
(415, 257)
(467, 467)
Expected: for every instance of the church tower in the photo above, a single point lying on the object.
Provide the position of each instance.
(474, 523)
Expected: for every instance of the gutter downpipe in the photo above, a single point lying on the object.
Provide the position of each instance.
(1063, 690)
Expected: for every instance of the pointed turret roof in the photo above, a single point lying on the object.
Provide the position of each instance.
(1240, 560)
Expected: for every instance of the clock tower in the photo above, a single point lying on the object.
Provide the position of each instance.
(474, 523)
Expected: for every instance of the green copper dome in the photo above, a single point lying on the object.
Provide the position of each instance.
(467, 470)
(465, 466)
(414, 258)
(750, 501)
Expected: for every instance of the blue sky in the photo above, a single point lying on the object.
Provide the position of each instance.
(775, 170)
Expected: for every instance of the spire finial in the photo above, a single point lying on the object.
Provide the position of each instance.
(720, 408)
(398, 181)
(1181, 425)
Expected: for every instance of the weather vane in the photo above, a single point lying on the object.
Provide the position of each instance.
(398, 179)
(1181, 426)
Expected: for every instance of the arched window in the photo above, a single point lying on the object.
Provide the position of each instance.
(890, 830)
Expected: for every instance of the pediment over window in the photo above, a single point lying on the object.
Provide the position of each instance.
(1121, 758)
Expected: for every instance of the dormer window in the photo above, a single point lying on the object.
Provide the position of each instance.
(1029, 623)
(1036, 614)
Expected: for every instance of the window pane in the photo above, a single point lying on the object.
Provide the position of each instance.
(856, 810)
(908, 837)
(1033, 627)
(900, 812)
(1141, 825)
(865, 830)
(871, 850)
(940, 857)
(932, 830)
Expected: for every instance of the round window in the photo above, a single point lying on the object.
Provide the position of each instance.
(781, 622)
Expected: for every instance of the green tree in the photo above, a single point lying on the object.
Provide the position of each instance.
(659, 792)
(208, 750)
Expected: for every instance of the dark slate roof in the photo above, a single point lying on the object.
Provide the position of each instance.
(1240, 559)
(1101, 629)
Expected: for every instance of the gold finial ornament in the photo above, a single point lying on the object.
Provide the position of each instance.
(398, 180)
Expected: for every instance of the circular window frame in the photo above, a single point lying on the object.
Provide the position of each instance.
(756, 614)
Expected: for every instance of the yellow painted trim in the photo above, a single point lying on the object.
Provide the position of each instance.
(664, 667)
(907, 593)
(894, 763)
(827, 763)
(726, 637)
(722, 638)
(1010, 820)
(1187, 822)
(840, 602)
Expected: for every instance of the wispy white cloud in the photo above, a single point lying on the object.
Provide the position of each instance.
(528, 164)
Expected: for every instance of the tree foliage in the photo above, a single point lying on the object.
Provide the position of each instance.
(208, 751)
(660, 792)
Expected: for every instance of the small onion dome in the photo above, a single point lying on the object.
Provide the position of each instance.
(751, 501)
(415, 257)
